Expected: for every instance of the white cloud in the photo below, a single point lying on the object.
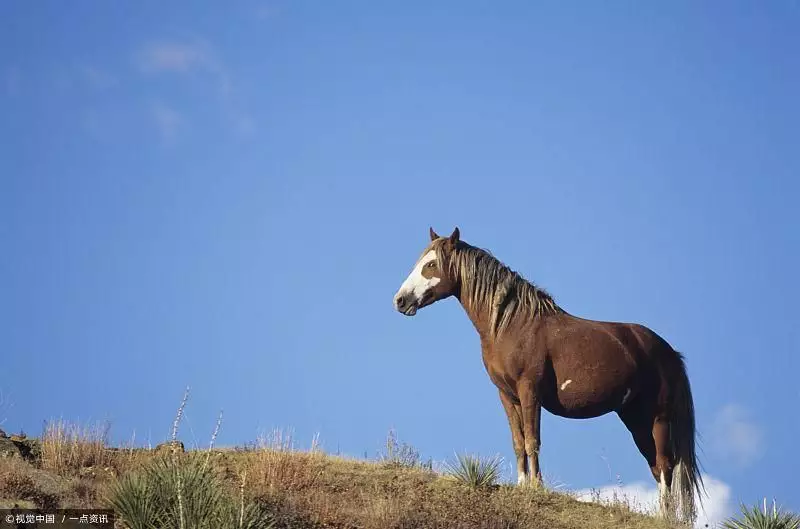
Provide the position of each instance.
(171, 57)
(5, 406)
(197, 57)
(167, 120)
(182, 58)
(643, 497)
(735, 437)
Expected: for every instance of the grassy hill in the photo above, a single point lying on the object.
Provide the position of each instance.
(70, 467)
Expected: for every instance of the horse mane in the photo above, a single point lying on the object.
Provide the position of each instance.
(489, 285)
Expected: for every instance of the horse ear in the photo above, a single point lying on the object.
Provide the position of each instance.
(434, 235)
(455, 236)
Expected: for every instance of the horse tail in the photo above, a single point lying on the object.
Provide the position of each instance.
(686, 478)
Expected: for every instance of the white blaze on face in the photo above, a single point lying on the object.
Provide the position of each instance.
(417, 284)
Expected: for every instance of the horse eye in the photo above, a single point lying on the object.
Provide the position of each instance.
(431, 264)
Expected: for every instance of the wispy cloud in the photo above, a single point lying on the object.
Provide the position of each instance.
(173, 57)
(168, 121)
(736, 437)
(197, 57)
(5, 406)
(643, 497)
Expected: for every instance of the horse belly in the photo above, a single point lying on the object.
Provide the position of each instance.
(584, 398)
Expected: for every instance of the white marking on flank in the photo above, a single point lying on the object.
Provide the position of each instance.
(565, 384)
(416, 283)
(627, 396)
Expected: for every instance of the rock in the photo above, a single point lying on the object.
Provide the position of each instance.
(30, 449)
(19, 445)
(8, 448)
(168, 447)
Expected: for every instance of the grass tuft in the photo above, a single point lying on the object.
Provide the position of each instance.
(148, 499)
(474, 471)
(278, 465)
(401, 455)
(763, 518)
(176, 490)
(69, 447)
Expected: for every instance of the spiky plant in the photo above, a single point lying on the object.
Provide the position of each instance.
(149, 499)
(762, 518)
(134, 498)
(475, 471)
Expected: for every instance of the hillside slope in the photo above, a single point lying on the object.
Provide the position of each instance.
(308, 489)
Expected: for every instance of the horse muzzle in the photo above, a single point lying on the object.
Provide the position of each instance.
(406, 304)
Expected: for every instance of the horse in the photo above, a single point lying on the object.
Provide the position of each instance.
(540, 356)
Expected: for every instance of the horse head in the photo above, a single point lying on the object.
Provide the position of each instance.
(430, 280)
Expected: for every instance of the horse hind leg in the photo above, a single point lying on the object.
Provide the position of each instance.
(664, 465)
(640, 424)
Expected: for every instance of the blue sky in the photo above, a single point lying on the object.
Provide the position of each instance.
(227, 197)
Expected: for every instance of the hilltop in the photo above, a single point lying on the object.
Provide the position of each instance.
(299, 489)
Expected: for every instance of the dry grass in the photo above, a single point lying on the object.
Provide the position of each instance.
(358, 494)
(307, 489)
(67, 446)
(276, 464)
(71, 449)
(22, 484)
(618, 498)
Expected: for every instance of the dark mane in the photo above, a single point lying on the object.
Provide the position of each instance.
(488, 284)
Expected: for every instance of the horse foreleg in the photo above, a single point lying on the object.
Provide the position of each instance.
(531, 419)
(514, 413)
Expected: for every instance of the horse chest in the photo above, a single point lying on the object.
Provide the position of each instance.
(499, 375)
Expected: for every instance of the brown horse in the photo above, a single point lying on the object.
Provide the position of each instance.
(539, 356)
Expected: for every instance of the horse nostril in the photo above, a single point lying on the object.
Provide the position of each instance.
(400, 302)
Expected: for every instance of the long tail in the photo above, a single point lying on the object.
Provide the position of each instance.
(686, 478)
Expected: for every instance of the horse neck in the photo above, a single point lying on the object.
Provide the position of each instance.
(481, 317)
(478, 316)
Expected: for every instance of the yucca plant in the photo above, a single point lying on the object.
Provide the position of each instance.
(179, 493)
(762, 518)
(475, 471)
(134, 500)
